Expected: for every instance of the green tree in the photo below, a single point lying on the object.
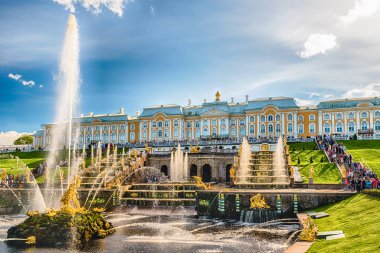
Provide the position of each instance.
(26, 139)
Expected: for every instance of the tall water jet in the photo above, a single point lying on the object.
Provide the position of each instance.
(178, 165)
(68, 82)
(244, 161)
(279, 162)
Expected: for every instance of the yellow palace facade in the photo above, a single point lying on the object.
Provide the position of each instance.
(222, 120)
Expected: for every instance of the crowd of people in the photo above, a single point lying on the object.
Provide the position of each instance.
(358, 176)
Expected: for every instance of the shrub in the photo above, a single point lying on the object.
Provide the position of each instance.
(298, 160)
(311, 159)
(322, 159)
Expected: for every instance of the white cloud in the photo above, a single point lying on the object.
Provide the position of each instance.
(370, 90)
(314, 94)
(318, 44)
(7, 138)
(152, 10)
(362, 8)
(305, 102)
(14, 76)
(116, 6)
(41, 86)
(28, 83)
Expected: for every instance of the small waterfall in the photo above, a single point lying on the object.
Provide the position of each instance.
(279, 162)
(258, 215)
(178, 165)
(244, 161)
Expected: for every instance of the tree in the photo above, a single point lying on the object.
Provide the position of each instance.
(25, 139)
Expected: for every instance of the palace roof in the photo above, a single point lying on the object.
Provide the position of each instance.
(103, 118)
(280, 102)
(166, 109)
(349, 103)
(39, 133)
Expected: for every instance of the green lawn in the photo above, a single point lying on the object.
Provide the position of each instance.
(30, 159)
(324, 172)
(359, 218)
(367, 151)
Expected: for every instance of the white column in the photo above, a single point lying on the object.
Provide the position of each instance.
(117, 133)
(109, 134)
(295, 129)
(92, 133)
(101, 133)
(357, 121)
(320, 122)
(371, 120)
(228, 126)
(258, 126)
(283, 123)
(345, 123)
(246, 125)
(332, 123)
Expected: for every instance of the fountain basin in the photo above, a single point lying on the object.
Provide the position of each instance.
(61, 229)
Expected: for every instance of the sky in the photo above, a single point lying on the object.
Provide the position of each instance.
(142, 53)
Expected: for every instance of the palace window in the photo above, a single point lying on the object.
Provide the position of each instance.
(88, 138)
(197, 124)
(270, 117)
(300, 129)
(251, 129)
(133, 127)
(270, 128)
(132, 136)
(205, 122)
(326, 116)
(197, 133)
(205, 132)
(154, 124)
(105, 128)
(278, 117)
(175, 132)
(166, 133)
(312, 128)
(339, 128)
(377, 114)
(97, 128)
(223, 122)
(122, 127)
(290, 128)
(364, 126)
(290, 117)
(189, 134)
(122, 137)
(81, 128)
(364, 115)
(262, 118)
(96, 137)
(159, 133)
(176, 123)
(88, 129)
(213, 122)
(233, 131)
(159, 123)
(242, 122)
(154, 134)
(189, 124)
(300, 118)
(351, 127)
(242, 131)
(223, 131)
(327, 128)
(233, 123)
(262, 128)
(339, 116)
(166, 123)
(214, 132)
(105, 137)
(113, 136)
(145, 135)
(113, 127)
(251, 119)
(145, 124)
(278, 128)
(311, 117)
(377, 125)
(351, 115)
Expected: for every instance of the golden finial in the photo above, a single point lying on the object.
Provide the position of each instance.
(217, 96)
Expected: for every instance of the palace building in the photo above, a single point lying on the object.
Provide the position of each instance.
(223, 120)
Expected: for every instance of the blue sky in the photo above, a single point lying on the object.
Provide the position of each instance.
(168, 51)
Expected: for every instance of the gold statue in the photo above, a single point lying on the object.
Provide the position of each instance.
(232, 173)
(217, 96)
(200, 182)
(258, 202)
(147, 148)
(31, 240)
(309, 230)
(69, 200)
(311, 174)
(194, 149)
(343, 171)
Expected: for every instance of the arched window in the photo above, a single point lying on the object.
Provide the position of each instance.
(290, 127)
(132, 136)
(300, 129)
(175, 132)
(114, 128)
(251, 129)
(278, 117)
(159, 133)
(166, 123)
(188, 134)
(154, 134)
(223, 122)
(154, 124)
(213, 122)
(364, 126)
(351, 127)
(311, 117)
(205, 131)
(262, 118)
(145, 124)
(262, 128)
(251, 119)
(278, 128)
(290, 117)
(339, 116)
(205, 122)
(327, 128)
(132, 126)
(96, 137)
(88, 138)
(377, 125)
(242, 131)
(176, 124)
(364, 115)
(122, 127)
(270, 117)
(122, 136)
(105, 137)
(113, 136)
(97, 128)
(214, 131)
(197, 133)
(81, 139)
(270, 128)
(312, 128)
(197, 124)
(377, 114)
(233, 131)
(351, 115)
(145, 134)
(339, 127)
(105, 128)
(223, 131)
(233, 123)
(300, 118)
(242, 122)
(189, 124)
(159, 123)
(88, 129)
(166, 133)
(326, 116)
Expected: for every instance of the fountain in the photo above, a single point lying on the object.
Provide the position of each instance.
(244, 161)
(178, 165)
(280, 171)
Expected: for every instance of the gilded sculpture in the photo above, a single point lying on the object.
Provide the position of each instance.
(309, 230)
(258, 202)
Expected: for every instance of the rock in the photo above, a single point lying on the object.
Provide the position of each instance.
(328, 233)
(319, 215)
(333, 237)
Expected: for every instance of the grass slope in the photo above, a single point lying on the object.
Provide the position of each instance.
(367, 151)
(324, 172)
(359, 218)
